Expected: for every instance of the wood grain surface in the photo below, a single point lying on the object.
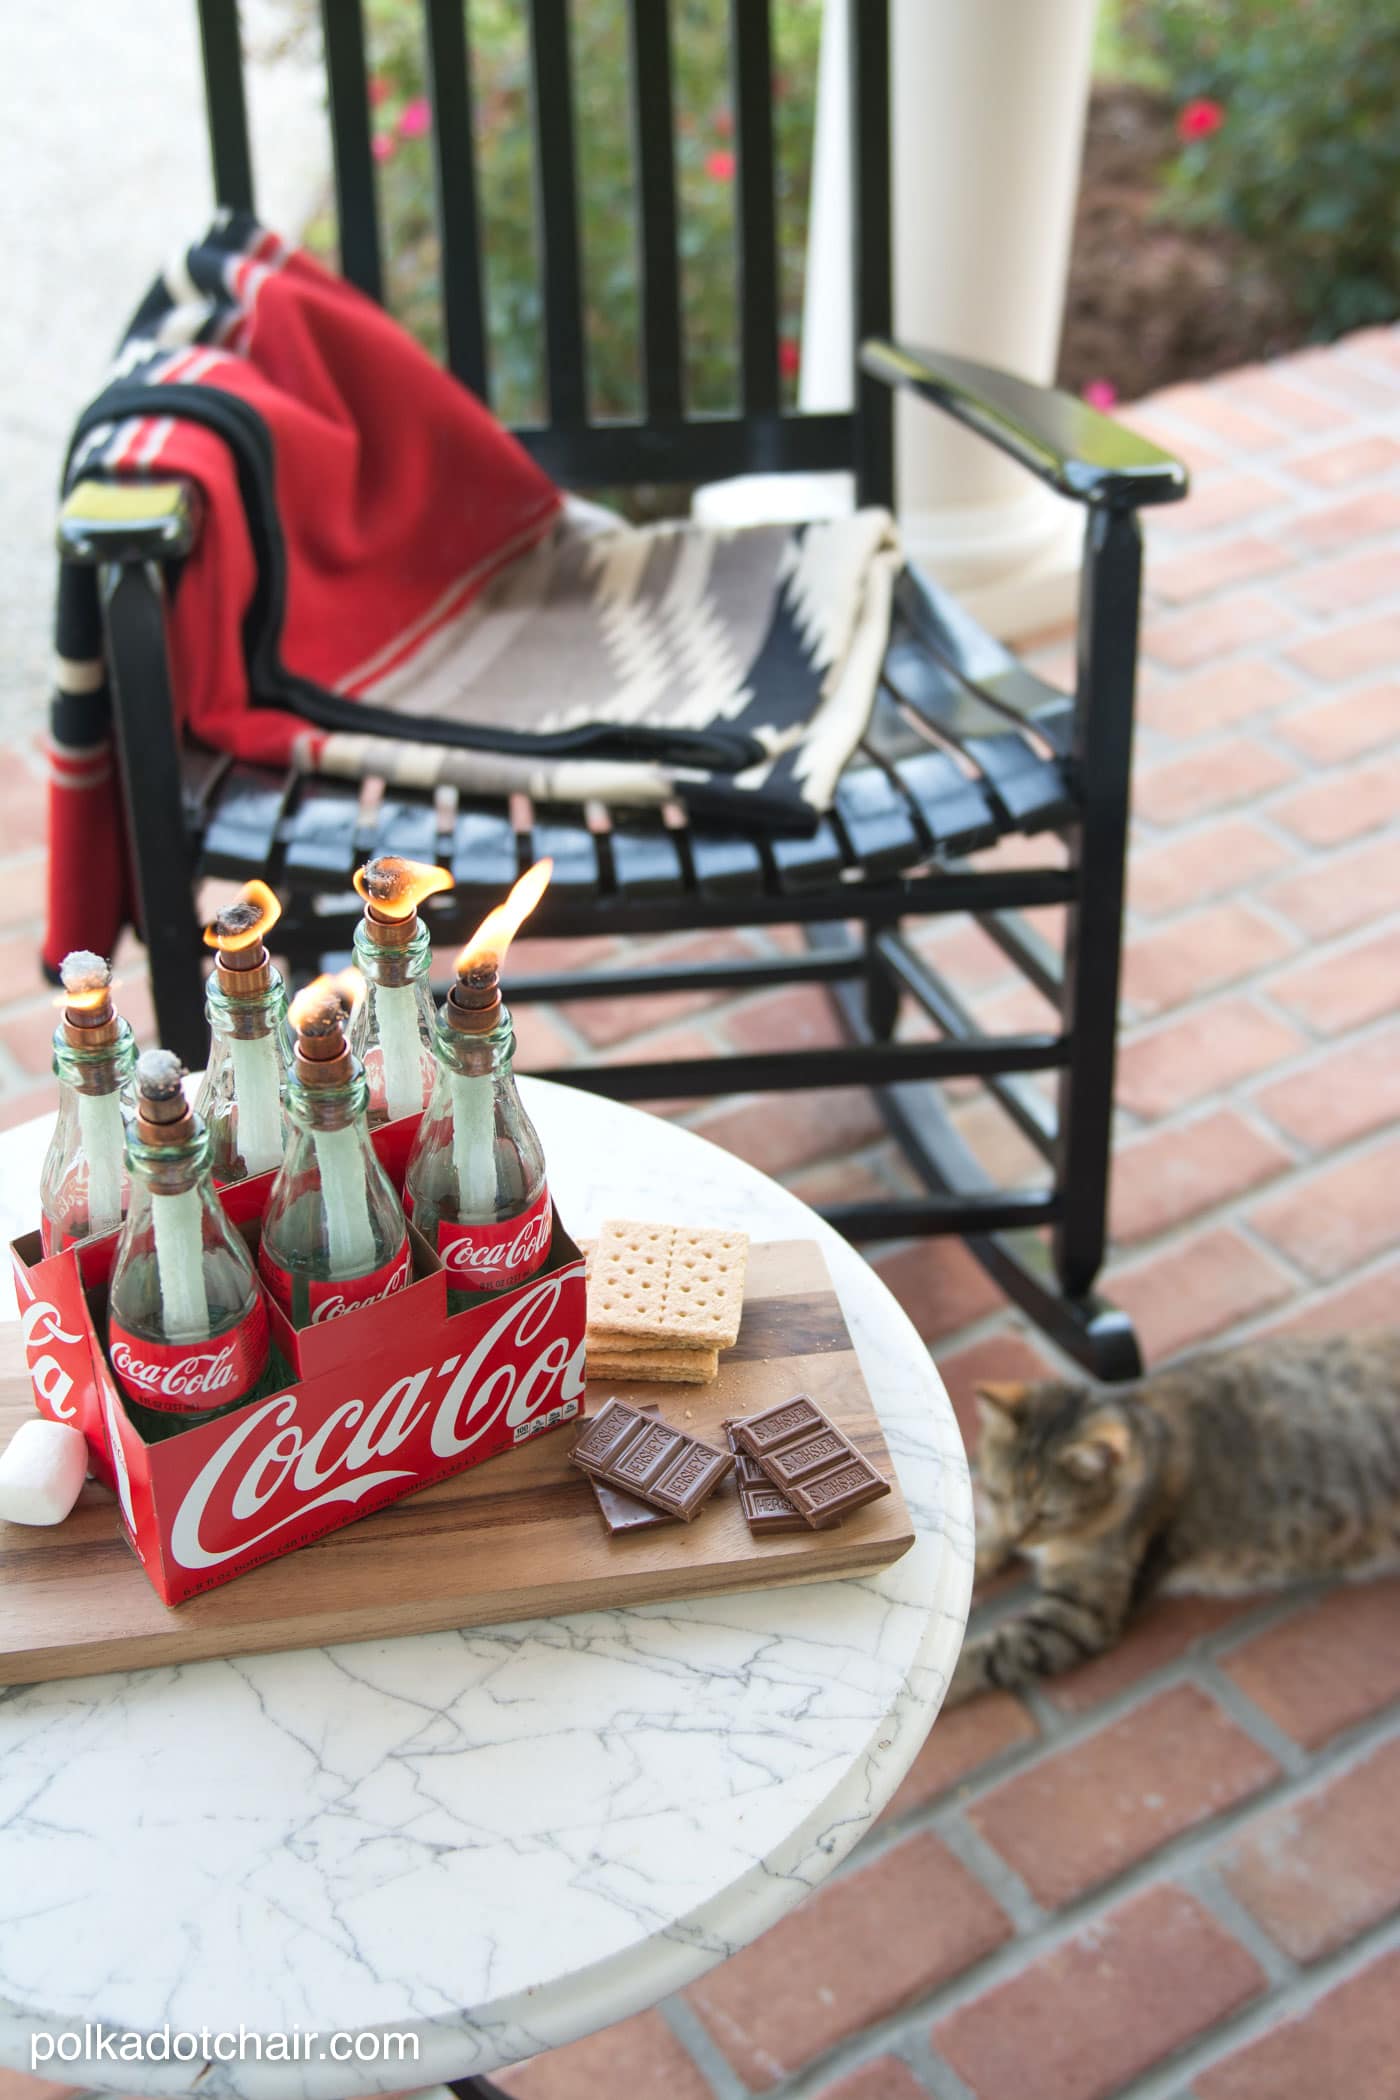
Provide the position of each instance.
(518, 1537)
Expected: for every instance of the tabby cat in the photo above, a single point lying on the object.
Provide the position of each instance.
(1241, 1470)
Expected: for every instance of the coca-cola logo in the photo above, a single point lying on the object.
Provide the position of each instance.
(283, 1461)
(367, 1291)
(42, 1328)
(470, 1255)
(203, 1371)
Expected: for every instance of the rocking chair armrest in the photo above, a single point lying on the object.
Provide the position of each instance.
(1084, 455)
(128, 521)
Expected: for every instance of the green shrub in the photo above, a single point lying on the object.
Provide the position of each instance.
(609, 231)
(1295, 143)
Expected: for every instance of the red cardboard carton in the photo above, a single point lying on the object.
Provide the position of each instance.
(390, 1396)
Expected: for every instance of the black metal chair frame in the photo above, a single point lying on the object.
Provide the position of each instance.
(966, 744)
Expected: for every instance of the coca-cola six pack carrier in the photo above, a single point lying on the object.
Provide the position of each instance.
(256, 1363)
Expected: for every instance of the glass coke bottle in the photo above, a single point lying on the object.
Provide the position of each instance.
(475, 1183)
(187, 1331)
(84, 1188)
(333, 1235)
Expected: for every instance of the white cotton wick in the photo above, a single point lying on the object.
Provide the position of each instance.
(42, 1471)
(474, 1143)
(341, 1164)
(103, 1139)
(256, 1089)
(396, 1008)
(179, 1232)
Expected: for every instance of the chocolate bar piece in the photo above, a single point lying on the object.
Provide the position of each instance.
(624, 1514)
(766, 1509)
(666, 1467)
(810, 1460)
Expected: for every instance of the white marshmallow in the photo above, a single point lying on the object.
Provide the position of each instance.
(42, 1472)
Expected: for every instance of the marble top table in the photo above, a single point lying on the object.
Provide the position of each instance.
(498, 1839)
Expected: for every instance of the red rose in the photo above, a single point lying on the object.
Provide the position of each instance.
(789, 357)
(720, 165)
(1199, 119)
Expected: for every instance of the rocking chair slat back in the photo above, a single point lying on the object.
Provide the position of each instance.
(751, 35)
(556, 173)
(652, 123)
(666, 443)
(347, 86)
(454, 178)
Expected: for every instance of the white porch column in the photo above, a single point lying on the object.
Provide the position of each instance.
(989, 98)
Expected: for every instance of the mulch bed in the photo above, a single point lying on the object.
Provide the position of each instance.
(1150, 303)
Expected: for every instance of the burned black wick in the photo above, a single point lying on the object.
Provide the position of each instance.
(384, 878)
(237, 919)
(327, 1017)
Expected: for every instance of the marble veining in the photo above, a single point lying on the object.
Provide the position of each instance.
(497, 1839)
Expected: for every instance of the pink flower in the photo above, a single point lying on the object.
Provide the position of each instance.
(384, 145)
(789, 357)
(720, 165)
(379, 91)
(417, 118)
(1200, 119)
(1101, 393)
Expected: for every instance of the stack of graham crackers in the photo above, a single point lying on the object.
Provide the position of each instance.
(663, 1300)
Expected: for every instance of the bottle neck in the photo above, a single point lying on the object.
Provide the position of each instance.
(247, 1014)
(169, 1170)
(474, 1056)
(103, 1071)
(329, 1107)
(384, 959)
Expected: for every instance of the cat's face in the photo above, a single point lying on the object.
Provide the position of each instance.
(1053, 1462)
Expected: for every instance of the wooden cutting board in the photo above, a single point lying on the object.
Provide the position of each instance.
(517, 1537)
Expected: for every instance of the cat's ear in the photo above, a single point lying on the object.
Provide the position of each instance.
(1004, 1396)
(1099, 1451)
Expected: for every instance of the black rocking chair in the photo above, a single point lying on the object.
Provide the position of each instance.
(966, 744)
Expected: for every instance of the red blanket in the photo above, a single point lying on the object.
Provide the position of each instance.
(330, 452)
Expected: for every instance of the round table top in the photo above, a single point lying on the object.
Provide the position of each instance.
(498, 1839)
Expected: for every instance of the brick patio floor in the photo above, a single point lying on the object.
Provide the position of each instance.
(1176, 1872)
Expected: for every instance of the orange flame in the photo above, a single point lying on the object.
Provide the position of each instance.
(341, 989)
(246, 923)
(498, 929)
(394, 887)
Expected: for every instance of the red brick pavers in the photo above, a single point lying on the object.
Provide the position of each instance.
(1174, 1873)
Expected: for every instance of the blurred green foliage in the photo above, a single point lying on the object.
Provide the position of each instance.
(1305, 162)
(609, 229)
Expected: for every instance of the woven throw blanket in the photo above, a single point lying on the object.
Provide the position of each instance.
(385, 584)
(773, 633)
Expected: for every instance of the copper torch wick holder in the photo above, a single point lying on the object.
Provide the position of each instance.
(91, 1027)
(323, 1060)
(243, 972)
(391, 933)
(165, 1121)
(473, 1005)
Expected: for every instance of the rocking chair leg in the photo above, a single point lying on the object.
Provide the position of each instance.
(1103, 744)
(1093, 1333)
(151, 791)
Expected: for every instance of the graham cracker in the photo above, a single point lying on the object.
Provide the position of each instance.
(674, 1284)
(607, 1341)
(661, 1366)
